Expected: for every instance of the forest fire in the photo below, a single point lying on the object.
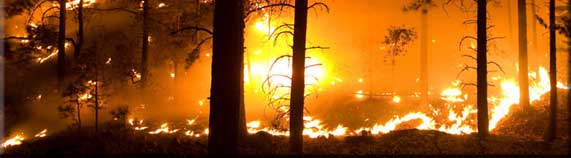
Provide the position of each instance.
(19, 138)
(457, 123)
(16, 140)
(271, 77)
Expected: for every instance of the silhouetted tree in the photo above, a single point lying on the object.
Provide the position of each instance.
(80, 34)
(74, 101)
(551, 130)
(298, 77)
(523, 57)
(227, 73)
(563, 29)
(482, 69)
(397, 40)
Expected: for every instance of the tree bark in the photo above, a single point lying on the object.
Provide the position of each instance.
(424, 58)
(145, 48)
(298, 77)
(523, 59)
(482, 71)
(80, 33)
(61, 64)
(551, 130)
(227, 77)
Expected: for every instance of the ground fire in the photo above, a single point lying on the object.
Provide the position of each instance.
(374, 77)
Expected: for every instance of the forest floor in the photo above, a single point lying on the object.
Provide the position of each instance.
(520, 134)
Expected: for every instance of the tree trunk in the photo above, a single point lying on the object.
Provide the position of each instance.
(80, 33)
(523, 65)
(551, 130)
(298, 77)
(227, 77)
(61, 46)
(145, 48)
(424, 59)
(482, 73)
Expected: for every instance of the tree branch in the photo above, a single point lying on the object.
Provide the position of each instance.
(287, 5)
(195, 28)
(319, 4)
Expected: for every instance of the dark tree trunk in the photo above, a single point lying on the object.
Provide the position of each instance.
(424, 58)
(523, 73)
(145, 48)
(298, 77)
(61, 46)
(482, 70)
(551, 130)
(227, 73)
(80, 33)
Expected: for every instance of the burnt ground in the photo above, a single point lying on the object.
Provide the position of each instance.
(520, 133)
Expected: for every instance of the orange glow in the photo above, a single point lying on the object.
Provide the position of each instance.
(75, 3)
(16, 140)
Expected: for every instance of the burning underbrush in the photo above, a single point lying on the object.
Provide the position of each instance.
(533, 124)
(518, 133)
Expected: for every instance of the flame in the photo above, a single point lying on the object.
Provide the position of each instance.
(163, 129)
(42, 59)
(136, 74)
(313, 128)
(75, 4)
(427, 123)
(396, 99)
(190, 122)
(161, 5)
(16, 140)
(41, 134)
(453, 94)
(359, 94)
(130, 121)
(264, 26)
(538, 86)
